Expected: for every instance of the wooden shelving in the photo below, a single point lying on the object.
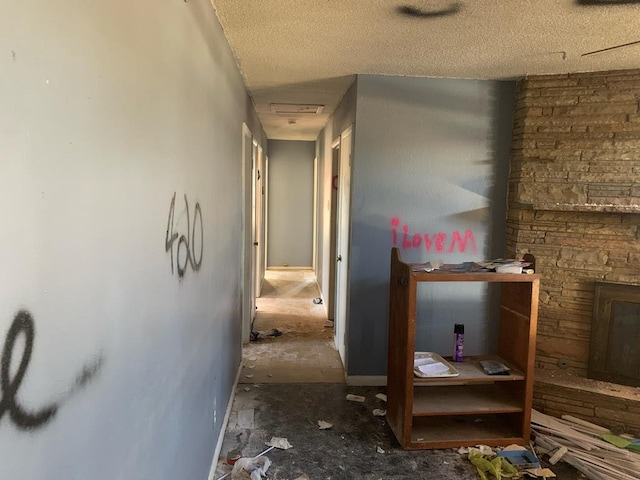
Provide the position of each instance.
(473, 407)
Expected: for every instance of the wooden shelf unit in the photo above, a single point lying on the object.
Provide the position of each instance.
(473, 407)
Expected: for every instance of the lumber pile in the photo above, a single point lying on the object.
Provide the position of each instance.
(582, 445)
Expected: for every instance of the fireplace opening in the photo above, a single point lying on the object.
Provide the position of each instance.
(614, 354)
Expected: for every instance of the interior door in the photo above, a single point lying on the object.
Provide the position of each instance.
(342, 247)
(335, 166)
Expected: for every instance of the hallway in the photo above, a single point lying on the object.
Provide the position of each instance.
(305, 352)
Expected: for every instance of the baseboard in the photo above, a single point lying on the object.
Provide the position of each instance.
(225, 422)
(367, 380)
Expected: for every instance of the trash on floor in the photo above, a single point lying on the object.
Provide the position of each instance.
(522, 459)
(355, 398)
(381, 396)
(378, 412)
(589, 448)
(279, 442)
(491, 464)
(380, 450)
(255, 336)
(233, 456)
(322, 425)
(254, 468)
(317, 300)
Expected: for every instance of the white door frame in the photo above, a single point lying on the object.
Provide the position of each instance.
(333, 220)
(342, 247)
(258, 217)
(247, 283)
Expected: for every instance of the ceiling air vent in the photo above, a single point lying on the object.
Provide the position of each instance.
(289, 108)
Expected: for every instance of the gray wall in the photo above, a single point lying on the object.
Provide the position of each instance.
(431, 154)
(109, 109)
(290, 203)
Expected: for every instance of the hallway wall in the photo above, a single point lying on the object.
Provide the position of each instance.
(290, 203)
(431, 155)
(120, 199)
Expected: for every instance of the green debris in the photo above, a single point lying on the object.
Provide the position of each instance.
(491, 464)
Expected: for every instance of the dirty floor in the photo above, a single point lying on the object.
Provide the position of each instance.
(292, 381)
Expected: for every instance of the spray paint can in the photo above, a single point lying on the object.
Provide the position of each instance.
(458, 342)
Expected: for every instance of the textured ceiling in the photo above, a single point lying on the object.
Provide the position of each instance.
(295, 51)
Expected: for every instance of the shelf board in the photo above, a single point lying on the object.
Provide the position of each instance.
(471, 372)
(465, 400)
(441, 276)
(453, 432)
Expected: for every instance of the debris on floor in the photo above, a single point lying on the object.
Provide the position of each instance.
(381, 396)
(378, 412)
(279, 442)
(491, 464)
(380, 450)
(255, 336)
(590, 448)
(322, 425)
(250, 468)
(317, 300)
(355, 398)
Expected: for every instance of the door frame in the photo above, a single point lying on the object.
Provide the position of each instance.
(343, 244)
(247, 283)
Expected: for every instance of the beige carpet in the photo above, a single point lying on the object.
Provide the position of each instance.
(305, 351)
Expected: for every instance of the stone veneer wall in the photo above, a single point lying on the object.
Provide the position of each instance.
(574, 202)
(574, 199)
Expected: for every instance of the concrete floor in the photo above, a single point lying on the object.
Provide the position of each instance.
(305, 352)
(290, 382)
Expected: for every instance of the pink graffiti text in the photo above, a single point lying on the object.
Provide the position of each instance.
(438, 242)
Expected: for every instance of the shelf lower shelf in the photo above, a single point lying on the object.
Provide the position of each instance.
(459, 431)
(466, 400)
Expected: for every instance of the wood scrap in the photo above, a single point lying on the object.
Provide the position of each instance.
(579, 444)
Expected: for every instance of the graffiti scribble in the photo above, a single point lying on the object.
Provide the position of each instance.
(22, 324)
(184, 242)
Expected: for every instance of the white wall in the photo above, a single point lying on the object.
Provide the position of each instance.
(108, 109)
(290, 203)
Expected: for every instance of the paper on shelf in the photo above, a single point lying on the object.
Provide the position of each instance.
(435, 368)
(430, 364)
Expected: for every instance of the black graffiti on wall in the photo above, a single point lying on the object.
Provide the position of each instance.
(23, 324)
(185, 248)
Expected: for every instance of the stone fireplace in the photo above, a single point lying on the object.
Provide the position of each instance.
(574, 203)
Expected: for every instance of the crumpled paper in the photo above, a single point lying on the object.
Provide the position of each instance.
(254, 468)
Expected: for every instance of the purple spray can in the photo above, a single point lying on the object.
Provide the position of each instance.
(458, 342)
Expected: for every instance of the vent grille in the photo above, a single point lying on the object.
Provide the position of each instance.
(290, 108)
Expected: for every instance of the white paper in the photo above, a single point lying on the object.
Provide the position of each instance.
(436, 368)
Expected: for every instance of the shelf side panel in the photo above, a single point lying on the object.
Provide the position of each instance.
(401, 342)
